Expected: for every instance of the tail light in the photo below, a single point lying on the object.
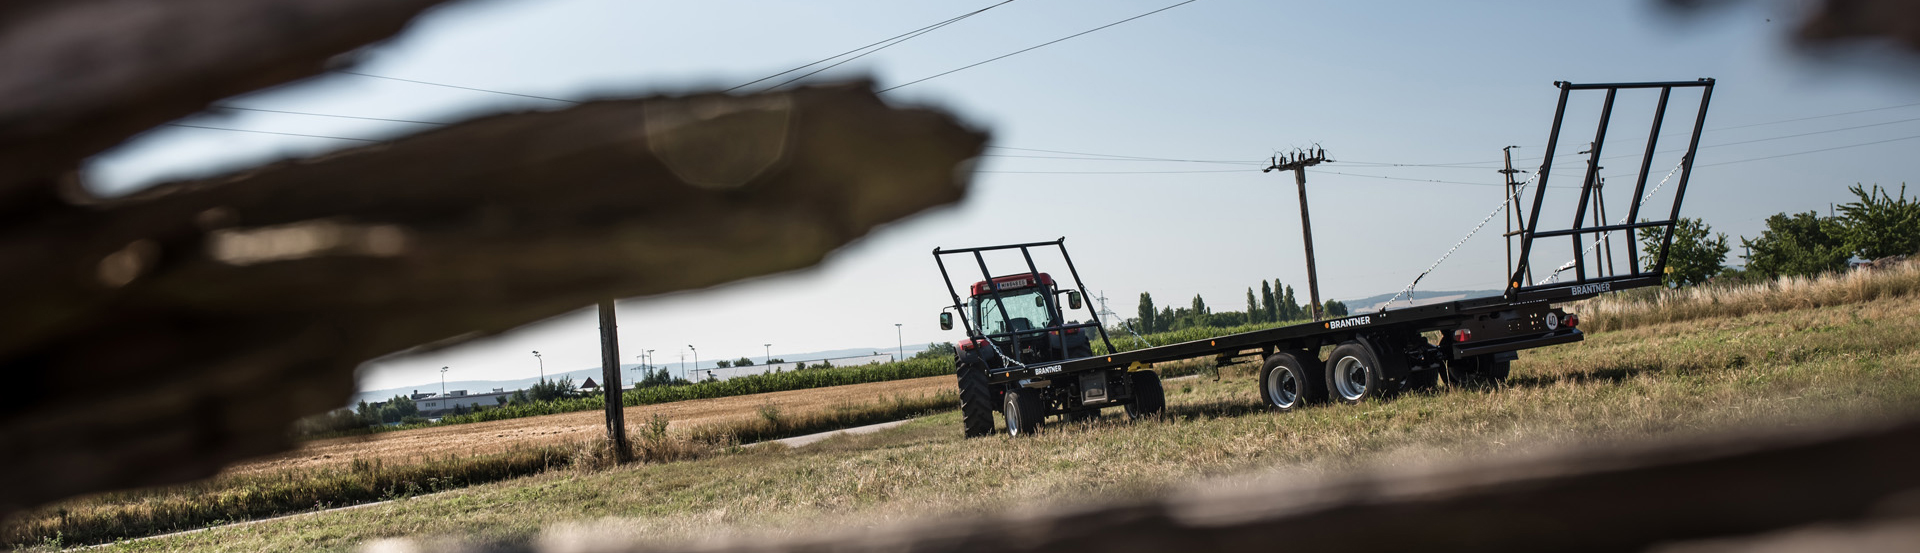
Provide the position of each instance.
(1573, 320)
(1462, 335)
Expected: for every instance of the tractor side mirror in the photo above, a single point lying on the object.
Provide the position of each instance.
(1073, 299)
(946, 321)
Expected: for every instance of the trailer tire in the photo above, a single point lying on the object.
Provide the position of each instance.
(1022, 411)
(1354, 374)
(976, 399)
(1286, 384)
(1149, 398)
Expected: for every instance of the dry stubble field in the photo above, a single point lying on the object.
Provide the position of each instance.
(402, 447)
(1810, 362)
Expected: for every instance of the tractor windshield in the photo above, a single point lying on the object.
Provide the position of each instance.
(1026, 310)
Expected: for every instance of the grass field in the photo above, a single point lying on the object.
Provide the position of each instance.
(1655, 378)
(347, 471)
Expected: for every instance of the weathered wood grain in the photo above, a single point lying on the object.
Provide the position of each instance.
(179, 329)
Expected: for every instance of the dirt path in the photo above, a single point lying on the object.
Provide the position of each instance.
(462, 440)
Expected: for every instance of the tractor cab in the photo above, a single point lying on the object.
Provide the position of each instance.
(1018, 319)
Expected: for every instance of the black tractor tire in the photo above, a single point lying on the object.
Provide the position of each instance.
(976, 399)
(1480, 371)
(1149, 398)
(1286, 384)
(1022, 411)
(1354, 374)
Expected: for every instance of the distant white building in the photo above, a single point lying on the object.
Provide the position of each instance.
(432, 405)
(727, 373)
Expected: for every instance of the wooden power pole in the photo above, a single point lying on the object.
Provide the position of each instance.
(610, 382)
(1298, 162)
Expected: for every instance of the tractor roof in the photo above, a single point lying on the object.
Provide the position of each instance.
(1011, 282)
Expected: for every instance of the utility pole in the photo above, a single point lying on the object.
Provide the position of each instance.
(769, 358)
(443, 382)
(901, 342)
(1513, 189)
(543, 365)
(610, 387)
(1298, 162)
(696, 357)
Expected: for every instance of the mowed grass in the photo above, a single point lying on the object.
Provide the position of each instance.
(1654, 380)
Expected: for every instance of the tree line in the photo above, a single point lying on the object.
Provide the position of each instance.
(1875, 225)
(1276, 303)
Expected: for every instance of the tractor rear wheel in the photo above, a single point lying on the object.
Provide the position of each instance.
(1148, 397)
(1286, 383)
(976, 399)
(1022, 411)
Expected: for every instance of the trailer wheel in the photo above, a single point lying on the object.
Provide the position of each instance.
(1148, 397)
(976, 400)
(1353, 373)
(1022, 410)
(1286, 384)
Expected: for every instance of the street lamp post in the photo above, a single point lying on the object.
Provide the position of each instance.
(443, 382)
(543, 365)
(696, 356)
(902, 342)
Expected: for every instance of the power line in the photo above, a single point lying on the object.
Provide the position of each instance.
(270, 132)
(1149, 160)
(369, 75)
(897, 39)
(330, 115)
(1117, 172)
(1812, 151)
(1032, 48)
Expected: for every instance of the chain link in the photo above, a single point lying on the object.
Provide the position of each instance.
(1504, 202)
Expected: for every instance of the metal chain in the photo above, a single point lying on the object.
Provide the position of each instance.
(1408, 291)
(1623, 220)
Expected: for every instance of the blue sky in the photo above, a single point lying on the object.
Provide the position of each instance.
(1216, 80)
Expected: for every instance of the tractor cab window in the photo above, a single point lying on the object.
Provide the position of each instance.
(1026, 310)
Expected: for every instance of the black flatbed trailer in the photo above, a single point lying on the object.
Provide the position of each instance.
(1036, 370)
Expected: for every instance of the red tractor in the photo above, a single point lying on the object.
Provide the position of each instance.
(1017, 338)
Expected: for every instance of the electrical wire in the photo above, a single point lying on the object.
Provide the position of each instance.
(887, 44)
(1030, 48)
(270, 132)
(238, 108)
(428, 83)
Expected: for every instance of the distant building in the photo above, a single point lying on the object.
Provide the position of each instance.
(736, 372)
(432, 406)
(589, 384)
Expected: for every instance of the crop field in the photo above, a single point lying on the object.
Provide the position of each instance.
(1778, 364)
(503, 435)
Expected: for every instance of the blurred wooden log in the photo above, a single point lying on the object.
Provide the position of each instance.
(1593, 499)
(78, 76)
(171, 332)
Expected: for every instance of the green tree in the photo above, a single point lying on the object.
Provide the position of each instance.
(552, 389)
(1269, 311)
(1802, 244)
(1163, 321)
(722, 364)
(1333, 308)
(938, 349)
(775, 360)
(1877, 225)
(1290, 309)
(743, 362)
(1697, 253)
(1200, 306)
(1253, 305)
(1147, 314)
